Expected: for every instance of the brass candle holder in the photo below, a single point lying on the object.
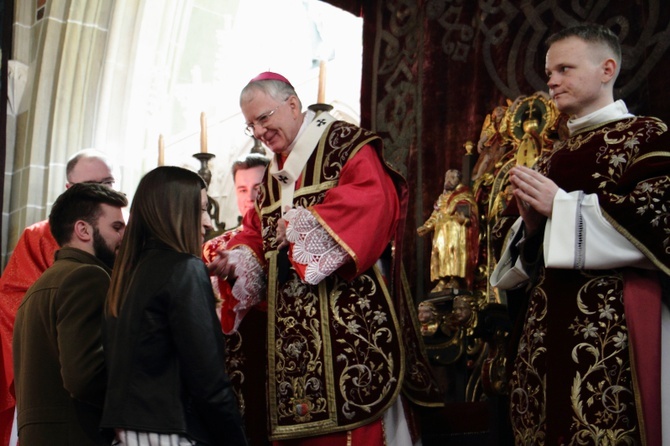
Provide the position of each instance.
(204, 171)
(212, 204)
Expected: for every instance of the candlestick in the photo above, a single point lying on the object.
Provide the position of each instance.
(204, 171)
(212, 204)
(161, 150)
(203, 133)
(321, 96)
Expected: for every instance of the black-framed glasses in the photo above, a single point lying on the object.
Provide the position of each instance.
(262, 120)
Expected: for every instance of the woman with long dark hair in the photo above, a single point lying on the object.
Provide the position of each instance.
(164, 346)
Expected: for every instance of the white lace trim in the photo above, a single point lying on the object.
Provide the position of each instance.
(250, 284)
(313, 246)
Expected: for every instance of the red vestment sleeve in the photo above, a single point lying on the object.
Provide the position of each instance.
(33, 254)
(361, 213)
(222, 288)
(250, 236)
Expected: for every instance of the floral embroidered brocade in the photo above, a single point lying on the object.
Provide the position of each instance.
(572, 382)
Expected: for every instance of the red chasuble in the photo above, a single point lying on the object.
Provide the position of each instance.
(339, 352)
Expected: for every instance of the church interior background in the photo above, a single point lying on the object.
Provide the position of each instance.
(132, 76)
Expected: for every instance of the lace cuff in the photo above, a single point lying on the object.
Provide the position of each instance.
(250, 284)
(313, 246)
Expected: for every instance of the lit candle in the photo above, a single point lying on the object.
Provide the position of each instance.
(321, 96)
(161, 150)
(203, 133)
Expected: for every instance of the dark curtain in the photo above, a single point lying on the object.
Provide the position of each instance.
(433, 69)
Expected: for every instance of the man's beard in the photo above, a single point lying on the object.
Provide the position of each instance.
(102, 250)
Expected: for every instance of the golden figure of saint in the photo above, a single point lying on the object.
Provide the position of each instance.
(454, 224)
(492, 144)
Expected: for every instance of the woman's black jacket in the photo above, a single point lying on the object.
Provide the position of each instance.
(165, 354)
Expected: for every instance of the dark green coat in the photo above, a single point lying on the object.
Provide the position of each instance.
(59, 370)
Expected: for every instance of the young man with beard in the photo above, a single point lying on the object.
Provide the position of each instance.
(59, 371)
(32, 255)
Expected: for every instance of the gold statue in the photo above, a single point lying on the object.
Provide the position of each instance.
(528, 122)
(454, 223)
(491, 145)
(463, 311)
(530, 145)
(428, 318)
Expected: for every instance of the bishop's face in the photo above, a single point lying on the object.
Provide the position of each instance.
(275, 123)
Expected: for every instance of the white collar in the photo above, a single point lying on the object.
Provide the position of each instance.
(308, 117)
(301, 149)
(612, 112)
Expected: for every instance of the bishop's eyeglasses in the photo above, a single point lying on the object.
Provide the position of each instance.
(262, 120)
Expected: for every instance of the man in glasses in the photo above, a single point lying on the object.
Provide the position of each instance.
(320, 249)
(33, 254)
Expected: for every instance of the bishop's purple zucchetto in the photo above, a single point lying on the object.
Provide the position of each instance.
(270, 76)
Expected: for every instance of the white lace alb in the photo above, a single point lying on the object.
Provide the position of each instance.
(313, 246)
(250, 284)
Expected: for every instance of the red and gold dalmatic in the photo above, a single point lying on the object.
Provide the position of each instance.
(339, 352)
(579, 377)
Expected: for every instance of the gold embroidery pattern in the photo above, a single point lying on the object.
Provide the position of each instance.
(601, 394)
(344, 139)
(235, 359)
(269, 231)
(651, 203)
(365, 359)
(622, 147)
(631, 132)
(368, 369)
(648, 196)
(306, 201)
(528, 381)
(300, 384)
